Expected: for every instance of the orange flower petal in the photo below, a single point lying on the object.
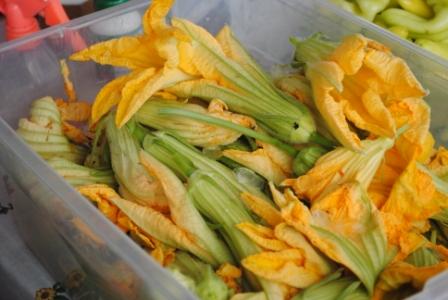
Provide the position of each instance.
(262, 236)
(230, 276)
(262, 209)
(285, 266)
(394, 72)
(132, 52)
(325, 77)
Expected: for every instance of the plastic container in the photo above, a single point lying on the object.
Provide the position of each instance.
(66, 232)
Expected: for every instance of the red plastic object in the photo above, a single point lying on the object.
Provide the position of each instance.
(20, 15)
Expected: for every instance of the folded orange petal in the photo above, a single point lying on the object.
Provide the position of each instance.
(132, 52)
(412, 200)
(395, 73)
(163, 254)
(325, 78)
(230, 275)
(314, 260)
(412, 196)
(138, 90)
(416, 114)
(259, 161)
(73, 111)
(262, 208)
(381, 185)
(359, 81)
(74, 134)
(68, 85)
(285, 266)
(262, 236)
(154, 17)
(110, 95)
(350, 53)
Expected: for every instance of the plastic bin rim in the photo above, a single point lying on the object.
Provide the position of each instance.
(82, 206)
(138, 4)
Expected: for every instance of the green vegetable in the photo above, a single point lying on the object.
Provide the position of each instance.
(252, 93)
(417, 7)
(416, 24)
(78, 175)
(400, 31)
(184, 159)
(183, 279)
(42, 131)
(306, 159)
(230, 125)
(334, 287)
(135, 182)
(370, 8)
(218, 205)
(193, 131)
(441, 36)
(201, 278)
(185, 215)
(438, 48)
(437, 5)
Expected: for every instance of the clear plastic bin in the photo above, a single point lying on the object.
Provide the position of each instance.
(67, 234)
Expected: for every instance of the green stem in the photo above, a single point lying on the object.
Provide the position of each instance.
(321, 140)
(229, 125)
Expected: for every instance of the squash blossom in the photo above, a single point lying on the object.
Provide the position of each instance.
(357, 81)
(346, 227)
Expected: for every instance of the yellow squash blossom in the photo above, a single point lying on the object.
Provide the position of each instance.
(345, 226)
(184, 214)
(194, 132)
(150, 221)
(99, 194)
(153, 58)
(339, 166)
(357, 82)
